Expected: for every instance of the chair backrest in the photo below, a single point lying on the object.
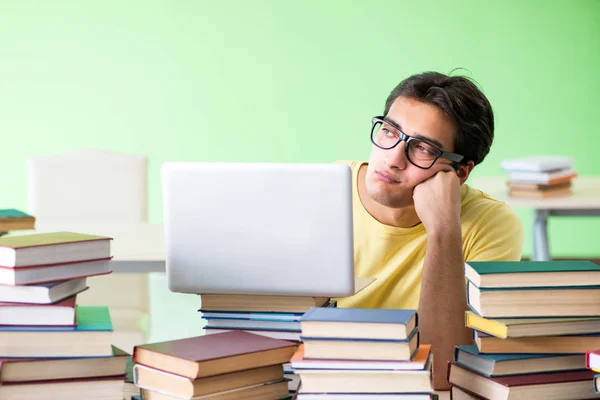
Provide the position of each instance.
(90, 185)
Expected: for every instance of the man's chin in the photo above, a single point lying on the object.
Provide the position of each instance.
(392, 201)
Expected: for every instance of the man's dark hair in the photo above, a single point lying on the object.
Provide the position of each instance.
(461, 101)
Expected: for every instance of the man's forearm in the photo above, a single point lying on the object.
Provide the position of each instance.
(443, 302)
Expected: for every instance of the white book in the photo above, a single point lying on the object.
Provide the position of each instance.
(540, 177)
(537, 163)
(22, 314)
(42, 293)
(24, 276)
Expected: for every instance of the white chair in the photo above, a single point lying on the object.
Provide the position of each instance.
(93, 186)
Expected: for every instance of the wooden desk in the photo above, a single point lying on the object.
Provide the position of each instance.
(585, 201)
(136, 248)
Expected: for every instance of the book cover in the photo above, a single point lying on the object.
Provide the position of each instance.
(46, 239)
(507, 267)
(13, 213)
(218, 346)
(494, 357)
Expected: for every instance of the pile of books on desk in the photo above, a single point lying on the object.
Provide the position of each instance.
(362, 354)
(533, 323)
(273, 316)
(50, 347)
(539, 176)
(224, 366)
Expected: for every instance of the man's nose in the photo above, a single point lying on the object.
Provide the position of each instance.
(396, 158)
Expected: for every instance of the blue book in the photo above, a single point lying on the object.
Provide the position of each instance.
(492, 365)
(359, 323)
(89, 338)
(254, 316)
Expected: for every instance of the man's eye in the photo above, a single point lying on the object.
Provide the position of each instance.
(388, 133)
(423, 149)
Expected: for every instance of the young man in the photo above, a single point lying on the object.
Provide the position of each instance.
(416, 221)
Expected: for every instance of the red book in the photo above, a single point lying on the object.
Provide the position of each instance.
(217, 354)
(558, 385)
(592, 360)
(27, 314)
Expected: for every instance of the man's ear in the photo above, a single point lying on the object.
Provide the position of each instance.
(464, 170)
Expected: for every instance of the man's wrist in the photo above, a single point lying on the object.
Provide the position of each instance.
(445, 231)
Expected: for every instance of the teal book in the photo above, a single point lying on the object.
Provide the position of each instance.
(359, 323)
(530, 274)
(13, 213)
(491, 365)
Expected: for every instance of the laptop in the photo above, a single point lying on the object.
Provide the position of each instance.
(259, 228)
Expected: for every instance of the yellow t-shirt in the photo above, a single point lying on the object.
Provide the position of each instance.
(491, 231)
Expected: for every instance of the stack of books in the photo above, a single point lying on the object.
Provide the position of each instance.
(225, 366)
(533, 323)
(14, 220)
(350, 353)
(273, 316)
(50, 347)
(539, 176)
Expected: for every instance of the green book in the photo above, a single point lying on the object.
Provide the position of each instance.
(531, 274)
(516, 364)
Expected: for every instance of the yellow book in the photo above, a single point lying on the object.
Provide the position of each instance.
(530, 327)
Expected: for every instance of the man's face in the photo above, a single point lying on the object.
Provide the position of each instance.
(390, 177)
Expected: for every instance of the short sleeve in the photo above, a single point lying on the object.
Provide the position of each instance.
(496, 236)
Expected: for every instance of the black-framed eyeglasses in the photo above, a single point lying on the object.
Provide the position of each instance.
(419, 152)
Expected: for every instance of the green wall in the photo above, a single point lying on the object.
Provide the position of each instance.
(282, 81)
(289, 81)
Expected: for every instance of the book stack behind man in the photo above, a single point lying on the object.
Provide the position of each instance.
(273, 316)
(224, 366)
(15, 220)
(539, 176)
(533, 323)
(351, 353)
(50, 347)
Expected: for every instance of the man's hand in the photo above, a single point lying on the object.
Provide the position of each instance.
(437, 201)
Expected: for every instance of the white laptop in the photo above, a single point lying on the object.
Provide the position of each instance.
(259, 228)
